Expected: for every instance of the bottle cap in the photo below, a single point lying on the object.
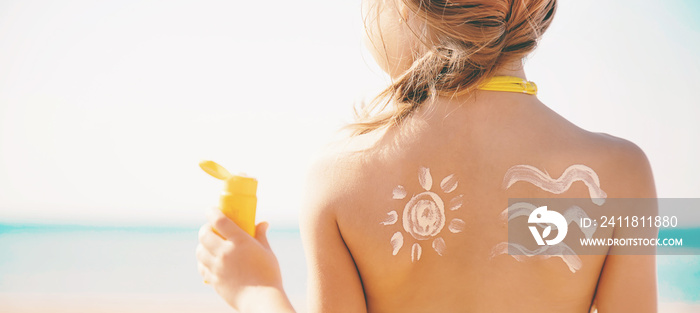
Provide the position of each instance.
(214, 169)
(238, 184)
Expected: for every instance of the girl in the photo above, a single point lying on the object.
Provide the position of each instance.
(404, 216)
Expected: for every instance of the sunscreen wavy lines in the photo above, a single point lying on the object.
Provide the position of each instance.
(573, 214)
(561, 250)
(576, 172)
(423, 216)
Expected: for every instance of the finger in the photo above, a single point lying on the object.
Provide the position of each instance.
(225, 226)
(207, 277)
(204, 257)
(261, 234)
(211, 216)
(210, 240)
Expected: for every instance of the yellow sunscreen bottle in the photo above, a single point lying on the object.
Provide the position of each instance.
(238, 198)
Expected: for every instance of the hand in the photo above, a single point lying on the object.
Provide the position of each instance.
(243, 270)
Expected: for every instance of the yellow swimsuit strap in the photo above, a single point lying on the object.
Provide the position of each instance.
(511, 84)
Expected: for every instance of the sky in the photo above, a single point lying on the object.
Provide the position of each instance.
(107, 107)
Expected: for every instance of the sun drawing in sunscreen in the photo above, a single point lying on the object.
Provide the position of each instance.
(423, 215)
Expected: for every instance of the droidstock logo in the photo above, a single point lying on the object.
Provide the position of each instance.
(546, 219)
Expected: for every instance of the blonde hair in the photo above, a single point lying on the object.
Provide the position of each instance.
(470, 39)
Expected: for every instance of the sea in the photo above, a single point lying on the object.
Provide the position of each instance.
(38, 258)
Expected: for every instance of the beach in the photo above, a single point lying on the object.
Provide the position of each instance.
(113, 303)
(45, 268)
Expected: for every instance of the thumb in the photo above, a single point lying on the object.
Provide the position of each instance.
(261, 234)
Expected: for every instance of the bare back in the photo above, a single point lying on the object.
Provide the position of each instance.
(409, 257)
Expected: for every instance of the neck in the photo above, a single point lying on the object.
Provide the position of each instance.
(482, 102)
(512, 69)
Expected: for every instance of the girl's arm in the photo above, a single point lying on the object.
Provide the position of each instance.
(628, 282)
(334, 282)
(243, 270)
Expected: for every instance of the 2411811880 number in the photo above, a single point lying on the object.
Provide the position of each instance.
(639, 221)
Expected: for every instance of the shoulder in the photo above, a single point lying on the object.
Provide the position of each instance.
(628, 167)
(620, 163)
(334, 176)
